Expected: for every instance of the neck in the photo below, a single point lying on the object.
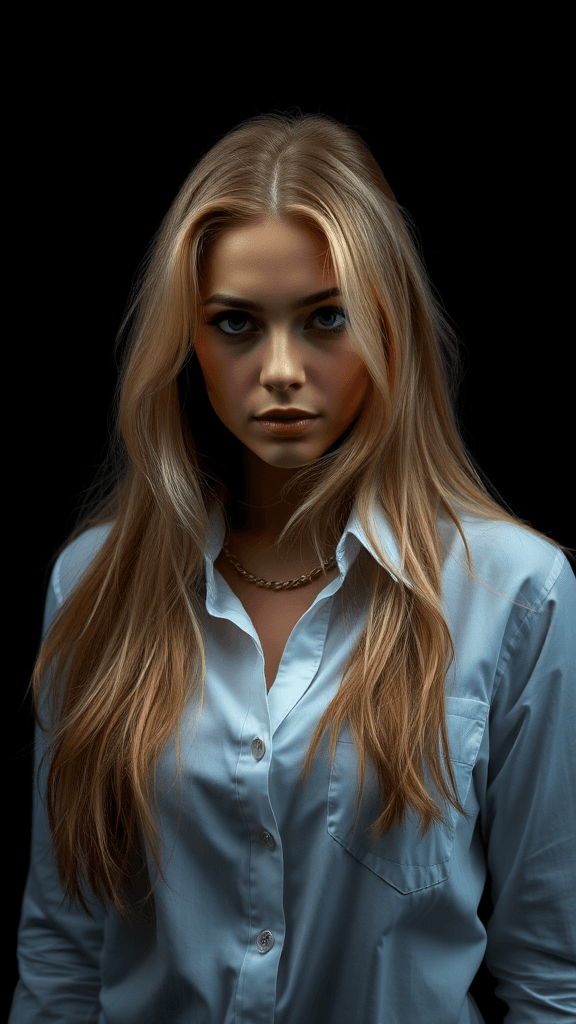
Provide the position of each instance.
(260, 510)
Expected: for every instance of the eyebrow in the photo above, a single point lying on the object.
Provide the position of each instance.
(231, 300)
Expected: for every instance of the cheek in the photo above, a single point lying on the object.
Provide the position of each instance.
(223, 383)
(211, 367)
(351, 381)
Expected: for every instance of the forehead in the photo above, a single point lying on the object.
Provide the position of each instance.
(278, 252)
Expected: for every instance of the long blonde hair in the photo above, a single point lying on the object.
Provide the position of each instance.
(125, 653)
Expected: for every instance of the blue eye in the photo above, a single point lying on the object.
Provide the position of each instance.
(242, 317)
(332, 311)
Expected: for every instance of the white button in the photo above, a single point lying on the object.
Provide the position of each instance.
(258, 748)
(267, 838)
(264, 941)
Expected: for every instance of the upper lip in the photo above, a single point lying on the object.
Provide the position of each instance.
(286, 414)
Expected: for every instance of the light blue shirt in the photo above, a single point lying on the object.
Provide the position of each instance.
(273, 914)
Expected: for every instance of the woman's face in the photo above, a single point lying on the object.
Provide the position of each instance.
(283, 354)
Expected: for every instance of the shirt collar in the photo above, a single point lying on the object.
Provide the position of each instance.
(383, 533)
(348, 545)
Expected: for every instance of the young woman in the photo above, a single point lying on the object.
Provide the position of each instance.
(304, 685)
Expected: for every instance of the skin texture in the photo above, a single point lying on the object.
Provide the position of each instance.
(284, 357)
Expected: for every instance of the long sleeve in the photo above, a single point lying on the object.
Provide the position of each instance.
(531, 810)
(58, 947)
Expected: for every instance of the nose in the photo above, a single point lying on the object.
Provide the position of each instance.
(282, 363)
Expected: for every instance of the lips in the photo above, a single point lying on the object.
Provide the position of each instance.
(278, 417)
(287, 427)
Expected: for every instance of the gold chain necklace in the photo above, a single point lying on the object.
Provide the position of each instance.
(274, 584)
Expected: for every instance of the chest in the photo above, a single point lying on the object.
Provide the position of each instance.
(273, 613)
(274, 624)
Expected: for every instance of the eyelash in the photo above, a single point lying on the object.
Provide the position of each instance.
(228, 314)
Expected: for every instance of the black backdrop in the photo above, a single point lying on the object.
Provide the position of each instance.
(479, 169)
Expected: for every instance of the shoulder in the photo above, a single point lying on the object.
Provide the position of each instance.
(75, 559)
(68, 568)
(505, 556)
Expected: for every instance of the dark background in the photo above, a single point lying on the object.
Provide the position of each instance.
(478, 160)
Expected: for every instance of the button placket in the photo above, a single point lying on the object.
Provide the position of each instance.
(265, 939)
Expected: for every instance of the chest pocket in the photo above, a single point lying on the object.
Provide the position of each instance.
(402, 858)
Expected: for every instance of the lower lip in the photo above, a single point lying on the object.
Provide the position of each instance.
(286, 428)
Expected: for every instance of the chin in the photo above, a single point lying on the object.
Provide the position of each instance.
(285, 462)
(297, 460)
